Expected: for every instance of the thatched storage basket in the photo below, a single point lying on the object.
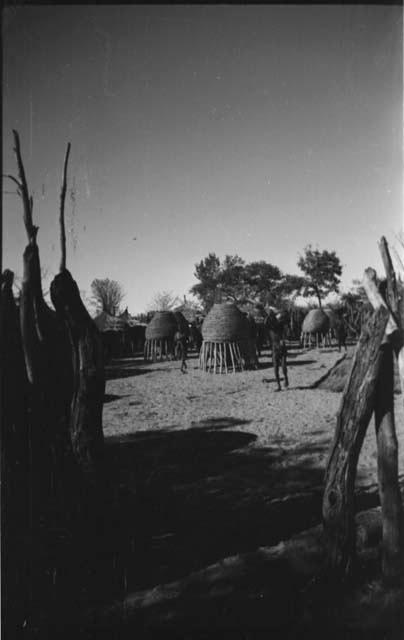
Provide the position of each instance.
(316, 324)
(227, 344)
(160, 336)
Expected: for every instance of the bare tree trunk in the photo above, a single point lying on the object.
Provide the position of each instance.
(355, 411)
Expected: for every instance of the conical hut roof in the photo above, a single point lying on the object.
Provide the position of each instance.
(315, 321)
(162, 325)
(182, 322)
(225, 322)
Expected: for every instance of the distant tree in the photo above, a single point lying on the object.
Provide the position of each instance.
(286, 290)
(189, 307)
(355, 306)
(321, 269)
(107, 295)
(164, 301)
(208, 272)
(231, 278)
(258, 282)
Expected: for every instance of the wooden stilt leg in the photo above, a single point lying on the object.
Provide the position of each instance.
(232, 356)
(239, 357)
(225, 356)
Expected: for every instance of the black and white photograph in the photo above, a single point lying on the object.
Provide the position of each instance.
(202, 321)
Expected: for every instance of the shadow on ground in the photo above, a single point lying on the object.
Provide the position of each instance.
(111, 397)
(128, 367)
(176, 502)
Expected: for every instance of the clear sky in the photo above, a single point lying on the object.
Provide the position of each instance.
(253, 130)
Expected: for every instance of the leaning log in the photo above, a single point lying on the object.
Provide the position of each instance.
(354, 414)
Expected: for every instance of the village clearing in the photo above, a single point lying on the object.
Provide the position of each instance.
(227, 478)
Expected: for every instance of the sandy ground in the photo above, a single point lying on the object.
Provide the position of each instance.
(300, 420)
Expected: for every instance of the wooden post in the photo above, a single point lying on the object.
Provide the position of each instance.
(387, 447)
(354, 414)
(387, 468)
(232, 356)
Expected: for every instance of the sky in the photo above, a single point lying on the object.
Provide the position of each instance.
(249, 130)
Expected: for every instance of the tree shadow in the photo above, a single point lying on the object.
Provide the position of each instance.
(188, 498)
(299, 363)
(127, 368)
(178, 501)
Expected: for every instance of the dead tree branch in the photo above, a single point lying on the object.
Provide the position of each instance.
(31, 229)
(62, 212)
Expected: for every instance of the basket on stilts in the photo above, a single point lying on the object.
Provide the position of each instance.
(227, 345)
(160, 333)
(315, 325)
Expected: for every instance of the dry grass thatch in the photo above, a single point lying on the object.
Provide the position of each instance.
(316, 321)
(162, 326)
(225, 323)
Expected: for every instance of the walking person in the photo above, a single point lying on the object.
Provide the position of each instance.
(279, 350)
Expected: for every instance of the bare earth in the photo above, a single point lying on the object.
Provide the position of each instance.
(300, 419)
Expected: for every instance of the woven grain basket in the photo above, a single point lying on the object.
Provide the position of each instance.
(316, 321)
(225, 323)
(162, 326)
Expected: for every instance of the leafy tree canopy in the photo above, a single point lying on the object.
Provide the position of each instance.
(321, 269)
(233, 279)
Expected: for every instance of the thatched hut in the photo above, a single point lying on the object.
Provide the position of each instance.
(122, 336)
(114, 335)
(315, 325)
(227, 344)
(160, 336)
